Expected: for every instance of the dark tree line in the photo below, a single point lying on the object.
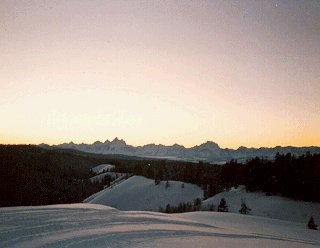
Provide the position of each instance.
(31, 175)
(183, 207)
(286, 175)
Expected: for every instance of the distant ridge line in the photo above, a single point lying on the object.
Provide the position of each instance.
(208, 151)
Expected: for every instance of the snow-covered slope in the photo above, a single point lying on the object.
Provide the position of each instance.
(140, 193)
(87, 225)
(267, 206)
(100, 177)
(102, 168)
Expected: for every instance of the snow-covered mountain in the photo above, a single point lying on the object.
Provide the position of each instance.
(208, 151)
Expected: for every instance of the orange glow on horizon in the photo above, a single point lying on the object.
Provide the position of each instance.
(240, 74)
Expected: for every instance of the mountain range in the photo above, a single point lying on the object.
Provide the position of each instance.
(209, 151)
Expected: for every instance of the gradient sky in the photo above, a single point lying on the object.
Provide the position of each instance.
(234, 72)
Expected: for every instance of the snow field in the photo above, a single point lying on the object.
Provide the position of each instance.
(140, 193)
(88, 225)
(268, 206)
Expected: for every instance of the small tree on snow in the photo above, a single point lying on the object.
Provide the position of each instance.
(167, 184)
(223, 207)
(244, 208)
(197, 204)
(311, 224)
(168, 208)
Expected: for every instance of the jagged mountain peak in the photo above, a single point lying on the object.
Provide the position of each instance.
(241, 148)
(97, 143)
(210, 145)
(208, 151)
(118, 142)
(175, 145)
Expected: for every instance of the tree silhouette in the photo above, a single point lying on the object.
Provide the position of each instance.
(244, 208)
(168, 208)
(223, 207)
(311, 224)
(167, 184)
(197, 204)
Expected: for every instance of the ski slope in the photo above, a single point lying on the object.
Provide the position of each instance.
(267, 206)
(140, 193)
(88, 225)
(102, 168)
(100, 177)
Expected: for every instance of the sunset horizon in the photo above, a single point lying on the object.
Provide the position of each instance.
(76, 142)
(235, 73)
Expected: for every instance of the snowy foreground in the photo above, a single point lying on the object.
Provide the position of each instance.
(90, 225)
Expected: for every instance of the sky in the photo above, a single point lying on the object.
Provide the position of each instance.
(239, 73)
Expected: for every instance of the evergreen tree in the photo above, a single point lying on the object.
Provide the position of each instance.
(311, 224)
(244, 208)
(223, 207)
(156, 181)
(167, 184)
(168, 208)
(197, 204)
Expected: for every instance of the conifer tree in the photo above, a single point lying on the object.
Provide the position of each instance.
(244, 208)
(223, 207)
(167, 184)
(197, 204)
(311, 224)
(168, 208)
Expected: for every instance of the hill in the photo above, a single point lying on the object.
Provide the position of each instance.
(30, 175)
(102, 168)
(140, 193)
(87, 225)
(267, 206)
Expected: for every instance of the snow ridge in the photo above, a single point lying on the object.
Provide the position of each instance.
(88, 225)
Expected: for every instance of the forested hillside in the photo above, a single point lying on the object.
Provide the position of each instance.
(30, 175)
(286, 175)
